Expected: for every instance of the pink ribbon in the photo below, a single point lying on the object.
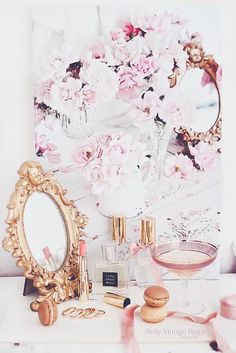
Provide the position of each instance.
(227, 310)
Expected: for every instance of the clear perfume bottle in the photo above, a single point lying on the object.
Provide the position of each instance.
(112, 273)
(119, 237)
(142, 260)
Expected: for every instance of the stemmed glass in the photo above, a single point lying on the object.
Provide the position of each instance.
(186, 258)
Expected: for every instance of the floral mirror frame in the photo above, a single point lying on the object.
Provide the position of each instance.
(62, 284)
(197, 59)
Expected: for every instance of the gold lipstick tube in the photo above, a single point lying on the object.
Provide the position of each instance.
(116, 300)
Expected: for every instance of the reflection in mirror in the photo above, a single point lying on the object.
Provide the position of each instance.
(205, 100)
(45, 231)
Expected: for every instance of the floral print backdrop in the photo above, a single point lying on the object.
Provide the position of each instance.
(104, 78)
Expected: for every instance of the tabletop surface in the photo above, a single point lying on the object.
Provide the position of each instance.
(21, 331)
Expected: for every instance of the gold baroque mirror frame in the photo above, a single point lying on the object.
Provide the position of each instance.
(61, 284)
(197, 59)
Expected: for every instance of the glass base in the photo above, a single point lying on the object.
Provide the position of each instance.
(188, 308)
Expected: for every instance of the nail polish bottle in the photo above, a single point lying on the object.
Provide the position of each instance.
(142, 261)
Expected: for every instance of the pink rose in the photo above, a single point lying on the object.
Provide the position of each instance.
(43, 91)
(178, 166)
(41, 144)
(145, 108)
(85, 152)
(143, 66)
(89, 96)
(67, 95)
(102, 79)
(129, 84)
(176, 109)
(124, 52)
(104, 139)
(39, 115)
(44, 148)
(178, 19)
(98, 50)
(118, 34)
(203, 155)
(146, 23)
(53, 157)
(130, 31)
(207, 80)
(196, 38)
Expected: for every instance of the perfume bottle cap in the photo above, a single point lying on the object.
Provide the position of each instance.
(119, 228)
(148, 230)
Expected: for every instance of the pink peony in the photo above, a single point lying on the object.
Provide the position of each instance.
(143, 66)
(129, 84)
(178, 166)
(203, 155)
(176, 109)
(85, 152)
(145, 108)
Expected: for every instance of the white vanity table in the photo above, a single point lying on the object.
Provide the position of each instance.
(21, 331)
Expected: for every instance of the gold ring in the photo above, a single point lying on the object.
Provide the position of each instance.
(76, 314)
(100, 313)
(69, 311)
(87, 312)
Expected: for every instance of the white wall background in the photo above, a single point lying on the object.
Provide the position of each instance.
(16, 123)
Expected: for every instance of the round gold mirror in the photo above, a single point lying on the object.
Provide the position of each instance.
(43, 232)
(200, 84)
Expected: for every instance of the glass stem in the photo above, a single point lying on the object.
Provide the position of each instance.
(184, 283)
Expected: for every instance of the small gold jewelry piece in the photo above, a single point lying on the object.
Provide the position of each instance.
(100, 313)
(78, 312)
(69, 311)
(88, 312)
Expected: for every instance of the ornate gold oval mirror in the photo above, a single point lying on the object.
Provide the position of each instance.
(43, 232)
(206, 122)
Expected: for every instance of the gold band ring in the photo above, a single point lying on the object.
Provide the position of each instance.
(69, 311)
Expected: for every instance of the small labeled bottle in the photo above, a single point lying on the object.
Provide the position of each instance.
(112, 273)
(143, 266)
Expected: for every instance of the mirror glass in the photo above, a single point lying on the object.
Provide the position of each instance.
(205, 99)
(45, 231)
